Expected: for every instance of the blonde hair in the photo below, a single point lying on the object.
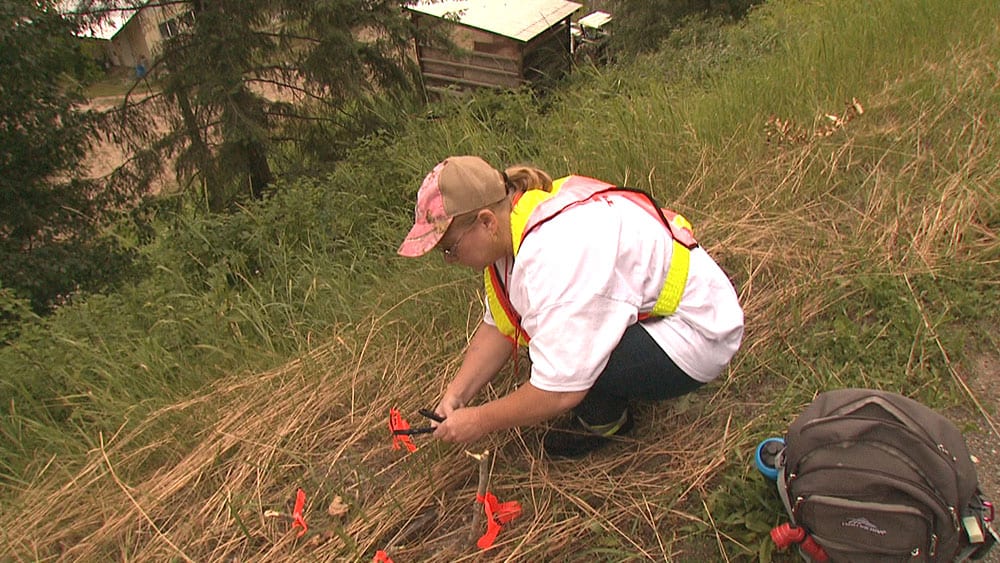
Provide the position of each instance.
(524, 178)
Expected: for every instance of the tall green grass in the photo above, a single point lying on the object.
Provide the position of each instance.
(264, 348)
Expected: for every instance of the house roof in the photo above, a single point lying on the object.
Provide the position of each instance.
(518, 19)
(109, 27)
(105, 27)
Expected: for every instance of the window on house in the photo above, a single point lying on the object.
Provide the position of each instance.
(176, 24)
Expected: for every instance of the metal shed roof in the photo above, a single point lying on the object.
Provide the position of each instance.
(595, 19)
(517, 19)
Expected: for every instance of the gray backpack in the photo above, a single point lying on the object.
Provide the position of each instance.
(875, 476)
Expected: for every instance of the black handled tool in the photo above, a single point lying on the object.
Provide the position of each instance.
(412, 431)
(431, 415)
(426, 430)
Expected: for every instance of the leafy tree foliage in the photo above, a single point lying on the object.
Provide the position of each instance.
(241, 76)
(48, 215)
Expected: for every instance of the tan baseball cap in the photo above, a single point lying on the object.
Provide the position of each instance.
(457, 185)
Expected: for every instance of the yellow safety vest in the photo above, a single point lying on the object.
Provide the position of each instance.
(535, 207)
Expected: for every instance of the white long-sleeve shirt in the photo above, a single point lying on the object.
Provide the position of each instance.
(581, 278)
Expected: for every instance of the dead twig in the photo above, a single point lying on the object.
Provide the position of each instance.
(484, 483)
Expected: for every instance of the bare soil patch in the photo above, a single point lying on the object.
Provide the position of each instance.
(982, 375)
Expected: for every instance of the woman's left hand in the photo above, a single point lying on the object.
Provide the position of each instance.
(463, 426)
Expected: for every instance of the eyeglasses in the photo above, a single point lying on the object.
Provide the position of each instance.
(451, 250)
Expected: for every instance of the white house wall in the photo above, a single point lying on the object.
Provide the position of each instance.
(140, 37)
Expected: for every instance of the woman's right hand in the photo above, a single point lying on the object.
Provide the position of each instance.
(448, 404)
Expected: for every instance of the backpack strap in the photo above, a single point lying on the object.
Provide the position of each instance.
(782, 485)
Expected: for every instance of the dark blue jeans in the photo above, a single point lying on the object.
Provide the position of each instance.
(637, 370)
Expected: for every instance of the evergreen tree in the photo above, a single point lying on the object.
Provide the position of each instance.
(48, 215)
(238, 75)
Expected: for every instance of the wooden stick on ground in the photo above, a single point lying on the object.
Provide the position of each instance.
(484, 482)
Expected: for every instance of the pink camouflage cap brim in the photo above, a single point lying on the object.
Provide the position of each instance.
(431, 220)
(457, 185)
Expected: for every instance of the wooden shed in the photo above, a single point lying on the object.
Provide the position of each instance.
(501, 44)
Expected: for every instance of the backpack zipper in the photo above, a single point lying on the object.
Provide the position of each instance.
(890, 450)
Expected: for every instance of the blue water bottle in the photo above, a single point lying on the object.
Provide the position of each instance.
(767, 453)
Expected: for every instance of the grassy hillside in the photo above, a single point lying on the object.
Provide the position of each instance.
(839, 158)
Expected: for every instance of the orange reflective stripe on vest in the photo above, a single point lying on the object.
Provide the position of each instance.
(524, 220)
(508, 321)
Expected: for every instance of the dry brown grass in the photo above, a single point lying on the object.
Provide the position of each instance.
(302, 425)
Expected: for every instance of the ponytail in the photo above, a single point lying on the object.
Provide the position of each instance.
(524, 178)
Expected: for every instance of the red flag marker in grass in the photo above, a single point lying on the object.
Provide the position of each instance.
(297, 519)
(497, 514)
(400, 430)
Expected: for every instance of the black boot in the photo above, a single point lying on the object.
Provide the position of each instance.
(576, 438)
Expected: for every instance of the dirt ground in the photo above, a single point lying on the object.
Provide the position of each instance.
(983, 378)
(106, 156)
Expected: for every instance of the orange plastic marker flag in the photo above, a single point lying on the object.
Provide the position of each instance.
(297, 519)
(497, 514)
(396, 422)
(382, 557)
